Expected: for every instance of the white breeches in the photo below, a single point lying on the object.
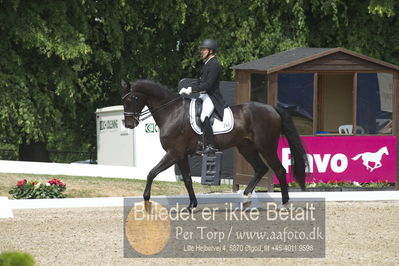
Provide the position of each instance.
(207, 106)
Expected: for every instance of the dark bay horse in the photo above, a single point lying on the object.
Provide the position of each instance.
(257, 129)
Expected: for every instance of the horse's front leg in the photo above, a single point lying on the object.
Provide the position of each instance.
(377, 165)
(366, 163)
(167, 161)
(185, 171)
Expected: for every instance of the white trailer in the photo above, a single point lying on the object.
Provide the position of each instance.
(139, 148)
(114, 141)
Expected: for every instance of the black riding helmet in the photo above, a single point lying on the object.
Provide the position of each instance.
(209, 44)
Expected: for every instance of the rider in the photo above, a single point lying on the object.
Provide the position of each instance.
(208, 87)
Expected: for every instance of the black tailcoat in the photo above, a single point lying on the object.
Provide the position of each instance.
(209, 83)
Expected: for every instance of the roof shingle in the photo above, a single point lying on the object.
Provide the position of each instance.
(280, 59)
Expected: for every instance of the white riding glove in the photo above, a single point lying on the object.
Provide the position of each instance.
(185, 91)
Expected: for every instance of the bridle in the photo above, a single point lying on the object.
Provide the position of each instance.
(135, 115)
(147, 113)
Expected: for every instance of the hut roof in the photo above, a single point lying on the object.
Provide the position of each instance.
(295, 56)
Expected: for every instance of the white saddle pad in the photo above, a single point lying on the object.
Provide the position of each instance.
(219, 127)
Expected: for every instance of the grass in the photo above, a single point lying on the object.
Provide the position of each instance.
(89, 187)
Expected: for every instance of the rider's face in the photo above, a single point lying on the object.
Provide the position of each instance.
(204, 52)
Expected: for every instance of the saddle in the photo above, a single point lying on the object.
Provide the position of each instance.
(218, 126)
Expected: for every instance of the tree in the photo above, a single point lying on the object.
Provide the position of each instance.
(383, 7)
(352, 24)
(39, 50)
(63, 59)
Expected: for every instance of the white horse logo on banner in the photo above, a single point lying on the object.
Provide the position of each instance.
(374, 157)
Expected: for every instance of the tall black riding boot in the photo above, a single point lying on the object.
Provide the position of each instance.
(208, 132)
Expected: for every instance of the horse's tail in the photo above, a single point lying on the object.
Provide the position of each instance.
(357, 157)
(299, 157)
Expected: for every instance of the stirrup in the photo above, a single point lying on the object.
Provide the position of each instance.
(210, 149)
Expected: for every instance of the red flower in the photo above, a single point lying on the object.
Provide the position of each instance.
(56, 182)
(21, 183)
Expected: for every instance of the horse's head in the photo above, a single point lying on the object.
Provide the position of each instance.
(133, 103)
(385, 150)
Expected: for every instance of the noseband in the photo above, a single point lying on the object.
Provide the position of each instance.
(135, 115)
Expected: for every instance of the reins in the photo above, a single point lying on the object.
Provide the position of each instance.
(147, 113)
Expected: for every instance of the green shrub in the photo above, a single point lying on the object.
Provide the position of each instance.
(15, 258)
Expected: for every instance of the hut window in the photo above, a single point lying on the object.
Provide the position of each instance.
(335, 102)
(259, 88)
(295, 94)
(374, 103)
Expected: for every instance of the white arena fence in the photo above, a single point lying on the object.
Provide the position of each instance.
(93, 170)
(7, 205)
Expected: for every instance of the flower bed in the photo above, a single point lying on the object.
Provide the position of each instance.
(53, 188)
(335, 185)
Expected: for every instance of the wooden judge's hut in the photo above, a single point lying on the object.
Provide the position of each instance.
(343, 104)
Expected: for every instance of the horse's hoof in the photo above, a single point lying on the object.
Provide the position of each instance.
(247, 201)
(147, 206)
(285, 207)
(247, 204)
(190, 209)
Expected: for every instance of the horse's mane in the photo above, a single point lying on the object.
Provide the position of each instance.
(142, 84)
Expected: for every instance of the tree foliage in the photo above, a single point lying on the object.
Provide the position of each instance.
(60, 60)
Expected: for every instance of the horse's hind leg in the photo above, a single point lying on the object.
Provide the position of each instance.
(185, 171)
(248, 150)
(274, 162)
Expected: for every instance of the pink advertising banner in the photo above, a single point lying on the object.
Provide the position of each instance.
(345, 158)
